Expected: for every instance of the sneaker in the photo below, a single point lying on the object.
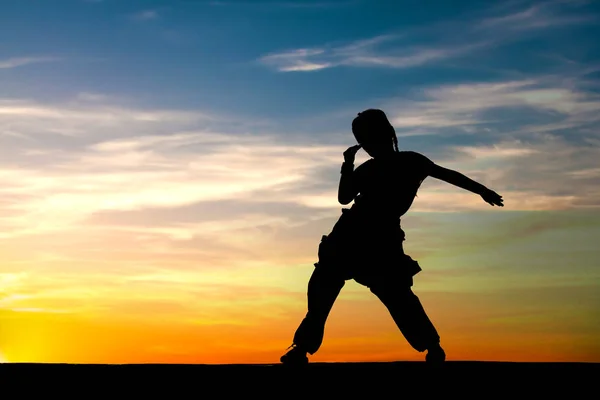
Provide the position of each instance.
(435, 355)
(295, 356)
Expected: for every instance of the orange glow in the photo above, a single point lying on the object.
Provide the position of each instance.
(358, 330)
(114, 297)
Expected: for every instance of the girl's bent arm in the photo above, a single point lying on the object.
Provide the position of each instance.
(347, 188)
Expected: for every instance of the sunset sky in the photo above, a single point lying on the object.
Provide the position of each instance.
(167, 169)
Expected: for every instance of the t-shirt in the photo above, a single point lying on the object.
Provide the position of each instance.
(387, 187)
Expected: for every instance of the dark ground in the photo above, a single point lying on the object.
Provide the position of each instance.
(317, 380)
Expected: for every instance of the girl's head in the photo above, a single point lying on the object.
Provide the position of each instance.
(374, 132)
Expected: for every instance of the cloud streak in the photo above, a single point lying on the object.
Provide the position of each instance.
(146, 15)
(119, 166)
(467, 106)
(287, 4)
(406, 50)
(363, 53)
(537, 16)
(15, 62)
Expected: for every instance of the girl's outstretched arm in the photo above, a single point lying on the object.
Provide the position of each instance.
(457, 179)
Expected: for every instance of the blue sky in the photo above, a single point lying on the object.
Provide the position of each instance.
(208, 130)
(208, 53)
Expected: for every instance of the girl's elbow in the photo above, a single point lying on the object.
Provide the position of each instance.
(343, 200)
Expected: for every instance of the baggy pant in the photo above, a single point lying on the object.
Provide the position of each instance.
(393, 290)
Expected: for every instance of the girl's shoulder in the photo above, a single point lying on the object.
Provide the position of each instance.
(413, 157)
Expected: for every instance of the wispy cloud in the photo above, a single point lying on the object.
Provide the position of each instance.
(172, 163)
(287, 4)
(317, 4)
(364, 53)
(296, 60)
(408, 50)
(467, 106)
(87, 96)
(146, 15)
(538, 16)
(15, 62)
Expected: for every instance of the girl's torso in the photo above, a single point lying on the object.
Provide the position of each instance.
(368, 237)
(387, 187)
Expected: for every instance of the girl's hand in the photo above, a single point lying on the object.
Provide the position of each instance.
(350, 153)
(492, 198)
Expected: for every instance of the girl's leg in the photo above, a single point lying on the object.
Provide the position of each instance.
(323, 289)
(408, 314)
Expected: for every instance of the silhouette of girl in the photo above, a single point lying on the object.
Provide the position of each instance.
(366, 242)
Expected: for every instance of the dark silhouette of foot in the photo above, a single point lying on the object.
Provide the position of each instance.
(296, 356)
(435, 355)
